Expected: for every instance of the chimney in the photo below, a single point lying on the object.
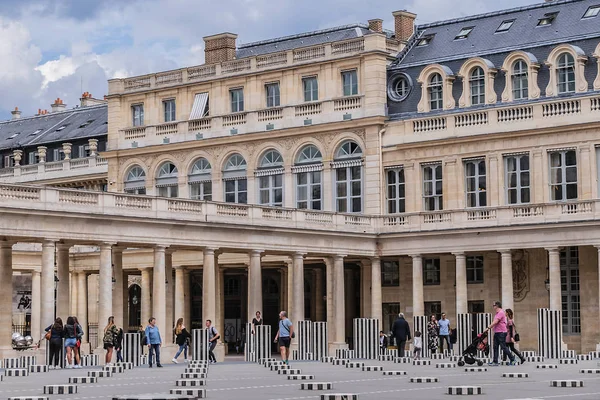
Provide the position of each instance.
(219, 48)
(16, 114)
(404, 23)
(376, 25)
(87, 100)
(58, 105)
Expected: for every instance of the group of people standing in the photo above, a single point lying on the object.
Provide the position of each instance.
(71, 332)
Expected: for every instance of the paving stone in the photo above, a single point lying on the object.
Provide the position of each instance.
(300, 377)
(60, 389)
(83, 379)
(372, 368)
(590, 371)
(515, 375)
(547, 366)
(475, 369)
(445, 365)
(190, 382)
(423, 379)
(100, 374)
(464, 390)
(394, 373)
(16, 372)
(566, 383)
(290, 371)
(421, 362)
(316, 386)
(38, 368)
(196, 393)
(339, 396)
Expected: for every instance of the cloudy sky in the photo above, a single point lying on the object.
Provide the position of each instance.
(54, 48)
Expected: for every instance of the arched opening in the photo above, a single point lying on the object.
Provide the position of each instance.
(135, 308)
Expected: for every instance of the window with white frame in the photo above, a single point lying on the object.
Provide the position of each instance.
(273, 95)
(350, 83)
(435, 89)
(431, 271)
(166, 180)
(563, 175)
(348, 177)
(169, 110)
(396, 195)
(237, 100)
(9, 161)
(58, 154)
(477, 86)
(236, 183)
(569, 285)
(520, 80)
(476, 184)
(270, 179)
(308, 169)
(137, 114)
(83, 151)
(433, 199)
(565, 72)
(135, 180)
(33, 158)
(474, 269)
(310, 85)
(200, 180)
(517, 178)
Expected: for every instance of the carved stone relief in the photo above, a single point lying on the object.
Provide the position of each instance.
(520, 270)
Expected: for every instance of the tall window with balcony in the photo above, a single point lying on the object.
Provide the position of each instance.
(169, 110)
(270, 179)
(565, 71)
(237, 100)
(520, 80)
(563, 175)
(137, 114)
(350, 83)
(474, 269)
(166, 180)
(135, 180)
(433, 199)
(476, 185)
(310, 85)
(569, 283)
(308, 170)
(348, 177)
(273, 96)
(477, 86)
(200, 180)
(234, 177)
(517, 180)
(435, 90)
(396, 194)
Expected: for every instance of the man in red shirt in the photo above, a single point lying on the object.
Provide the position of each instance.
(500, 331)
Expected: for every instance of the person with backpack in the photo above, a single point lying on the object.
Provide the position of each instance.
(213, 336)
(70, 335)
(119, 345)
(54, 335)
(181, 339)
(143, 338)
(109, 338)
(284, 336)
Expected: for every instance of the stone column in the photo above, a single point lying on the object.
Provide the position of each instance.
(47, 285)
(507, 280)
(329, 302)
(82, 304)
(159, 290)
(417, 282)
(36, 306)
(255, 300)
(146, 295)
(104, 288)
(220, 300)
(187, 306)
(461, 283)
(554, 272)
(320, 308)
(6, 293)
(283, 285)
(209, 285)
(376, 306)
(340, 310)
(118, 298)
(63, 295)
(299, 311)
(290, 287)
(180, 295)
(74, 294)
(169, 290)
(365, 288)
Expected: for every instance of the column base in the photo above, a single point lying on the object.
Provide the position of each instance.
(220, 352)
(9, 352)
(598, 347)
(337, 345)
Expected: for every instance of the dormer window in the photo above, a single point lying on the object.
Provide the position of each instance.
(505, 25)
(464, 33)
(425, 40)
(547, 19)
(592, 12)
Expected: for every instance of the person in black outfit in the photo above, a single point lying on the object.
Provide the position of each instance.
(119, 345)
(56, 336)
(401, 332)
(182, 336)
(256, 321)
(383, 342)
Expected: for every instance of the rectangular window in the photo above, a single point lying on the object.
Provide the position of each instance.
(348, 193)
(168, 191)
(310, 86)
(169, 109)
(350, 83)
(464, 33)
(200, 107)
(431, 271)
(476, 306)
(270, 190)
(563, 175)
(432, 187)
(395, 190)
(34, 158)
(84, 151)
(201, 191)
(516, 169)
(475, 185)
(547, 19)
(9, 161)
(272, 92)
(136, 191)
(592, 12)
(137, 113)
(505, 25)
(237, 100)
(236, 191)
(308, 190)
(474, 269)
(433, 307)
(569, 283)
(390, 273)
(58, 155)
(390, 313)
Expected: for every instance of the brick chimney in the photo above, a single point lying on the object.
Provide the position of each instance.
(219, 48)
(58, 105)
(16, 114)
(376, 25)
(404, 23)
(87, 100)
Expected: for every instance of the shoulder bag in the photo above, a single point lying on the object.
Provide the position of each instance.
(516, 336)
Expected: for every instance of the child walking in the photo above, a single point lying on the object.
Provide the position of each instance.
(417, 345)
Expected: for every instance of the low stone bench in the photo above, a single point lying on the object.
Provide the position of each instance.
(60, 389)
(464, 390)
(316, 386)
(327, 359)
(437, 356)
(423, 379)
(280, 367)
(386, 357)
(534, 359)
(28, 398)
(125, 365)
(566, 383)
(403, 360)
(340, 361)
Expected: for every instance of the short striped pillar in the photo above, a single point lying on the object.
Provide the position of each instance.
(482, 321)
(420, 324)
(366, 338)
(320, 348)
(464, 331)
(199, 344)
(132, 350)
(263, 342)
(549, 333)
(61, 354)
(305, 339)
(250, 349)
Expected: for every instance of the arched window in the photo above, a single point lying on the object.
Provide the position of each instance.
(236, 183)
(436, 92)
(308, 169)
(166, 180)
(200, 180)
(520, 80)
(270, 179)
(135, 180)
(565, 73)
(477, 86)
(348, 177)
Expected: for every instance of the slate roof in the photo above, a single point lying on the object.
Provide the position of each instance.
(524, 33)
(75, 121)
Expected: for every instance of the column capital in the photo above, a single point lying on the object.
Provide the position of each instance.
(142, 269)
(298, 254)
(180, 268)
(417, 256)
(106, 245)
(504, 252)
(63, 246)
(552, 249)
(598, 247)
(209, 251)
(458, 254)
(338, 256)
(255, 253)
(49, 242)
(160, 247)
(375, 259)
(118, 249)
(6, 244)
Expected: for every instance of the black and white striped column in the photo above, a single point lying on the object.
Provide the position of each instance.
(132, 350)
(320, 348)
(262, 342)
(366, 338)
(464, 331)
(250, 349)
(420, 324)
(549, 333)
(200, 344)
(482, 321)
(305, 340)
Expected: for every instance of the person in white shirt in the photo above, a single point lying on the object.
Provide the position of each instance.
(417, 345)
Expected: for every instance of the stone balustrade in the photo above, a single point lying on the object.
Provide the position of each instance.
(54, 170)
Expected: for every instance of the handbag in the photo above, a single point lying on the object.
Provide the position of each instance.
(48, 335)
(516, 336)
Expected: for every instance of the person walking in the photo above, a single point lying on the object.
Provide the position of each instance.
(56, 331)
(181, 338)
(444, 325)
(284, 336)
(79, 330)
(154, 342)
(119, 345)
(417, 345)
(512, 336)
(401, 332)
(257, 320)
(500, 331)
(432, 333)
(213, 336)
(70, 335)
(383, 342)
(109, 338)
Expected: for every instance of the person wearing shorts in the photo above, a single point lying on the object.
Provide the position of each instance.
(284, 336)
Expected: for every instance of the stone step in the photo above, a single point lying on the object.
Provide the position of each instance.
(196, 370)
(300, 377)
(316, 386)
(590, 371)
(190, 382)
(113, 368)
(464, 390)
(280, 367)
(445, 365)
(515, 375)
(355, 364)
(100, 374)
(421, 362)
(339, 396)
(372, 368)
(194, 375)
(394, 373)
(475, 369)
(547, 366)
(566, 383)
(38, 368)
(60, 389)
(290, 371)
(16, 372)
(83, 379)
(423, 379)
(567, 361)
(196, 393)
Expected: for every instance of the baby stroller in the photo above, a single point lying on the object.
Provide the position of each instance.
(469, 355)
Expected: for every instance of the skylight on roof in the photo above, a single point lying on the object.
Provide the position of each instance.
(424, 41)
(86, 123)
(547, 19)
(464, 32)
(505, 25)
(14, 135)
(35, 133)
(61, 128)
(592, 12)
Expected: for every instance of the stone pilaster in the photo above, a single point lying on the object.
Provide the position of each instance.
(47, 284)
(330, 283)
(63, 291)
(255, 301)
(554, 272)
(507, 280)
(339, 295)
(146, 295)
(376, 306)
(209, 285)
(119, 288)
(461, 283)
(417, 283)
(6, 292)
(299, 312)
(36, 306)
(159, 290)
